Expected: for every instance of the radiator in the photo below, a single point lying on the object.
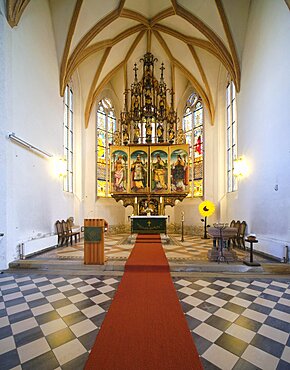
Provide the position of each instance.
(36, 245)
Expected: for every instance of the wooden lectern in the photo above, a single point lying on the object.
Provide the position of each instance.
(94, 241)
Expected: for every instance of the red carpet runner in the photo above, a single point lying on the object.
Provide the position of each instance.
(145, 328)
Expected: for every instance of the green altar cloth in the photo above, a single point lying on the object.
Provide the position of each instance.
(148, 224)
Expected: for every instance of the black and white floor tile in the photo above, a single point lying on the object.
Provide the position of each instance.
(238, 323)
(51, 322)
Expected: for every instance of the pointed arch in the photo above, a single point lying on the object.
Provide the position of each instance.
(107, 78)
(188, 75)
(15, 9)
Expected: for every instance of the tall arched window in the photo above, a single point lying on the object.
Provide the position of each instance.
(193, 123)
(106, 125)
(232, 183)
(68, 134)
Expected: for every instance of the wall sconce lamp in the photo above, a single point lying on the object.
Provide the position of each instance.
(60, 167)
(240, 167)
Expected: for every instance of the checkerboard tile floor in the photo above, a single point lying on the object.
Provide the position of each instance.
(238, 323)
(196, 248)
(51, 322)
(193, 248)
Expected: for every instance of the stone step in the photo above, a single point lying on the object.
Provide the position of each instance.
(79, 266)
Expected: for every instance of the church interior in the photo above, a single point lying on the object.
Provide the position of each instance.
(158, 126)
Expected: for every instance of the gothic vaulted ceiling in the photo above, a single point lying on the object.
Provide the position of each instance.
(102, 39)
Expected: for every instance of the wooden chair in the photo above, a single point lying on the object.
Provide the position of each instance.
(241, 235)
(62, 236)
(232, 224)
(234, 241)
(69, 233)
(72, 226)
(76, 234)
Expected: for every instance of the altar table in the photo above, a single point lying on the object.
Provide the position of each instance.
(148, 224)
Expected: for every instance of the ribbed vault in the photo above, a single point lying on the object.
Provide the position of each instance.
(101, 40)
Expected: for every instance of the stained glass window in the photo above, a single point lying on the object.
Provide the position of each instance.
(106, 125)
(68, 138)
(232, 184)
(193, 123)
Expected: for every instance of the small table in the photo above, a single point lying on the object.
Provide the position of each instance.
(222, 233)
(251, 262)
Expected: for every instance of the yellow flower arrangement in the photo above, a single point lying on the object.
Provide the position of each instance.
(206, 208)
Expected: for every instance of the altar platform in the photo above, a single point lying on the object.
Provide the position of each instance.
(188, 256)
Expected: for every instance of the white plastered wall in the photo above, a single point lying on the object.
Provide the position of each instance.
(4, 117)
(263, 129)
(32, 193)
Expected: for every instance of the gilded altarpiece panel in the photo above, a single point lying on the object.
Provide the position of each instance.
(159, 180)
(119, 169)
(139, 167)
(179, 168)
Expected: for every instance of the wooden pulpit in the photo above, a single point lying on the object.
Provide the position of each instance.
(94, 229)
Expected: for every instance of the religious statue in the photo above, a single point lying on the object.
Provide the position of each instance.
(148, 206)
(143, 205)
(180, 137)
(161, 107)
(136, 106)
(136, 134)
(125, 135)
(117, 138)
(138, 174)
(159, 132)
(159, 174)
(148, 132)
(171, 134)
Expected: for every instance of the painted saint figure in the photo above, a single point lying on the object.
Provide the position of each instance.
(119, 174)
(138, 174)
(159, 173)
(179, 174)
